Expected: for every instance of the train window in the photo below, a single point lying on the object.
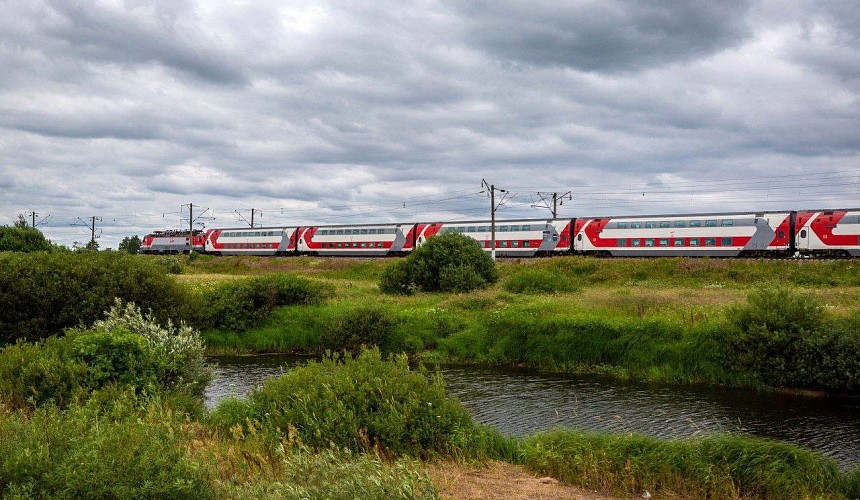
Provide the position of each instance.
(340, 231)
(526, 244)
(803, 233)
(726, 242)
(555, 237)
(664, 242)
(694, 242)
(621, 225)
(727, 222)
(680, 223)
(679, 242)
(649, 242)
(503, 228)
(473, 229)
(695, 223)
(650, 225)
(364, 231)
(527, 228)
(635, 225)
(503, 244)
(579, 237)
(710, 242)
(665, 223)
(515, 228)
(258, 233)
(782, 234)
(515, 244)
(323, 232)
(622, 242)
(482, 229)
(372, 231)
(710, 223)
(636, 242)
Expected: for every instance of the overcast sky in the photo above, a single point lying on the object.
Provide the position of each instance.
(395, 110)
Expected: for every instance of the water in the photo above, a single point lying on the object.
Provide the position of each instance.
(522, 402)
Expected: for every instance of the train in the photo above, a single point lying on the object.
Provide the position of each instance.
(806, 233)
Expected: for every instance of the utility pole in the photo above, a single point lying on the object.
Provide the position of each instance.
(493, 207)
(92, 227)
(34, 214)
(556, 198)
(253, 211)
(191, 220)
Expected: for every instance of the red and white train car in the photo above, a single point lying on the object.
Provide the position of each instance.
(264, 241)
(716, 234)
(828, 233)
(368, 240)
(172, 241)
(515, 238)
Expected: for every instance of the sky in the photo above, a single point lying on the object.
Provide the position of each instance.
(372, 111)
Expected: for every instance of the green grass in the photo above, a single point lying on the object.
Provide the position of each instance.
(727, 466)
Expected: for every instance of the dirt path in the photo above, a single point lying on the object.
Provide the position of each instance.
(498, 480)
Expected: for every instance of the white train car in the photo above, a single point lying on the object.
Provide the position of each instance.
(263, 241)
(515, 238)
(828, 233)
(693, 235)
(363, 240)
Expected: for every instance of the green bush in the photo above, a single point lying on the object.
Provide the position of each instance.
(170, 265)
(366, 326)
(785, 339)
(240, 304)
(395, 279)
(134, 450)
(539, 281)
(447, 262)
(357, 403)
(126, 350)
(23, 239)
(43, 293)
(727, 466)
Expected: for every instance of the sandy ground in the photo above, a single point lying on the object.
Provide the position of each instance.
(498, 480)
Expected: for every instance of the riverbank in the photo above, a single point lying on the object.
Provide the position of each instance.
(660, 320)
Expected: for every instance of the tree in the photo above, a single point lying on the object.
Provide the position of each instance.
(23, 239)
(130, 245)
(449, 262)
(21, 223)
(92, 245)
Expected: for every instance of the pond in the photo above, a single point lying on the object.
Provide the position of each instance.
(523, 402)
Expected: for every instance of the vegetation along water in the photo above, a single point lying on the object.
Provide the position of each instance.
(103, 377)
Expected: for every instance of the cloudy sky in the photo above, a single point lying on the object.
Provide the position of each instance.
(395, 110)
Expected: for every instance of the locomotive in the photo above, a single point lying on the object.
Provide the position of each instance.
(817, 233)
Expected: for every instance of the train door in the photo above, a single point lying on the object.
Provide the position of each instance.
(803, 239)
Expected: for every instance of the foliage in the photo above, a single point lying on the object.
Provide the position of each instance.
(21, 222)
(365, 326)
(786, 339)
(240, 304)
(449, 262)
(357, 403)
(132, 450)
(130, 244)
(43, 293)
(330, 473)
(127, 350)
(23, 239)
(726, 466)
(538, 281)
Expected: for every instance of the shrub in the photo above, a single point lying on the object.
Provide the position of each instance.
(170, 265)
(23, 239)
(362, 327)
(84, 452)
(43, 293)
(240, 304)
(447, 262)
(785, 339)
(395, 279)
(537, 281)
(126, 350)
(358, 403)
(727, 466)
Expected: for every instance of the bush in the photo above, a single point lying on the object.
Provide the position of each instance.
(126, 350)
(786, 339)
(726, 466)
(447, 262)
(357, 403)
(362, 327)
(84, 452)
(43, 293)
(23, 239)
(240, 304)
(538, 281)
(170, 265)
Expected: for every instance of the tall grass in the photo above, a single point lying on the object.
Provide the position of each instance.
(728, 466)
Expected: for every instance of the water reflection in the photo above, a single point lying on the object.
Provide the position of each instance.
(522, 402)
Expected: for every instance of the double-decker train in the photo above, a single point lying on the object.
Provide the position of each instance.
(817, 233)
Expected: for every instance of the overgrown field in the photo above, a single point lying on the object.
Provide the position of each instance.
(730, 322)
